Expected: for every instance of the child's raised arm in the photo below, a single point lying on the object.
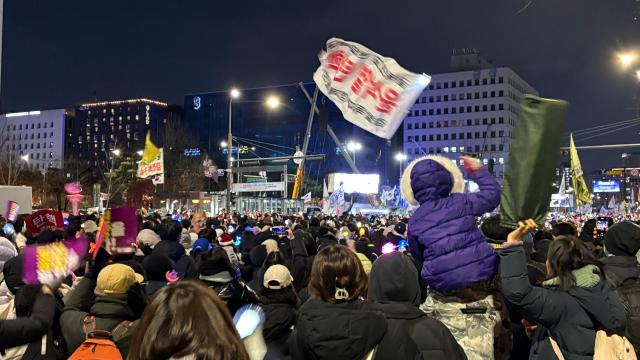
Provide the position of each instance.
(488, 198)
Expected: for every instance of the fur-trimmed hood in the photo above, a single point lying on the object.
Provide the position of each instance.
(430, 178)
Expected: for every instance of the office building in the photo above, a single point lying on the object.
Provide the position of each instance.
(34, 137)
(264, 132)
(471, 110)
(98, 128)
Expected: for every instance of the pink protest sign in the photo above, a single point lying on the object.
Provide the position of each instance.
(122, 231)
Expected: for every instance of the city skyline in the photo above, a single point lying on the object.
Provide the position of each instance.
(59, 55)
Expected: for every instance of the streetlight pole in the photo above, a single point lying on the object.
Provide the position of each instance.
(229, 165)
(234, 94)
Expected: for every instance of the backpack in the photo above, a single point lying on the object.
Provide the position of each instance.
(100, 344)
(629, 292)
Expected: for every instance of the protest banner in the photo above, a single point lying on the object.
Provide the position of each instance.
(43, 264)
(121, 228)
(12, 211)
(372, 91)
(152, 168)
(42, 220)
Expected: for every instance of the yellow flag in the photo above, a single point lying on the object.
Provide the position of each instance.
(580, 188)
(150, 150)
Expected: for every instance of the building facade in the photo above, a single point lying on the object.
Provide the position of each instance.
(34, 137)
(98, 128)
(263, 132)
(467, 112)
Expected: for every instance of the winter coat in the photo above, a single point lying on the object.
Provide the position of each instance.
(442, 232)
(398, 295)
(279, 320)
(108, 312)
(346, 331)
(20, 331)
(477, 317)
(623, 272)
(185, 265)
(328, 239)
(571, 317)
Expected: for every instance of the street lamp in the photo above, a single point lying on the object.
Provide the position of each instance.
(353, 147)
(223, 144)
(400, 158)
(116, 152)
(627, 58)
(25, 157)
(272, 102)
(140, 152)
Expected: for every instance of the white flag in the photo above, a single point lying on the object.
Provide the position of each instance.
(563, 188)
(372, 91)
(307, 197)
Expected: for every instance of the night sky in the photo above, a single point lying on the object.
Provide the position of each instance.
(57, 53)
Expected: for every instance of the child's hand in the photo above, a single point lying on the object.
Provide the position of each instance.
(471, 164)
(524, 227)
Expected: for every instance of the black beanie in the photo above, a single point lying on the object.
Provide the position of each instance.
(623, 239)
(157, 266)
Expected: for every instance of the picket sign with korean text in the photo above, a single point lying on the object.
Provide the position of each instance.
(155, 167)
(44, 219)
(372, 91)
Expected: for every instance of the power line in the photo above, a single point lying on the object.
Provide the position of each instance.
(598, 127)
(610, 131)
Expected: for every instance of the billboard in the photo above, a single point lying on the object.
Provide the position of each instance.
(606, 186)
(561, 201)
(354, 183)
(264, 186)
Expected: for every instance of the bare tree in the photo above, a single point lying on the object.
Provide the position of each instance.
(11, 164)
(182, 173)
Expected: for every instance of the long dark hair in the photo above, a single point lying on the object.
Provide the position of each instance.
(334, 267)
(287, 296)
(568, 253)
(186, 319)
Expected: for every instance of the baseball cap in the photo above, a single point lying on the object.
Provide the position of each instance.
(116, 279)
(277, 277)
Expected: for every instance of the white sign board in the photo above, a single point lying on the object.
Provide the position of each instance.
(354, 183)
(257, 187)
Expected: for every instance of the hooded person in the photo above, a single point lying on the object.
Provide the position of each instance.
(7, 252)
(219, 274)
(326, 237)
(170, 232)
(113, 299)
(156, 267)
(458, 264)
(621, 269)
(394, 284)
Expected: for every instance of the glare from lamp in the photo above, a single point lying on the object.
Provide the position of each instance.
(235, 93)
(272, 102)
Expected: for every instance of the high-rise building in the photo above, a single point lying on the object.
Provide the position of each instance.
(472, 110)
(98, 128)
(35, 137)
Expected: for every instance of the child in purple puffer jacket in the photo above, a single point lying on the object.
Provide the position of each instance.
(458, 265)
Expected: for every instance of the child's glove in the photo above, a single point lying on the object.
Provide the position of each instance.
(470, 164)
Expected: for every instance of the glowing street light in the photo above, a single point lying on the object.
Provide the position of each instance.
(627, 59)
(401, 157)
(116, 152)
(223, 144)
(235, 93)
(140, 152)
(272, 102)
(354, 146)
(25, 157)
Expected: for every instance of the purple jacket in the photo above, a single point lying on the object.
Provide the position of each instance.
(443, 233)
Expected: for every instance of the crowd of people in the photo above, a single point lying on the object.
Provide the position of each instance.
(436, 285)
